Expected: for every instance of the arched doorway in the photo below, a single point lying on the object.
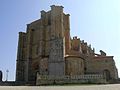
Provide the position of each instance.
(35, 69)
(106, 74)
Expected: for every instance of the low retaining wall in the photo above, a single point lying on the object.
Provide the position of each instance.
(46, 80)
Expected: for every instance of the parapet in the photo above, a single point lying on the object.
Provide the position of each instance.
(43, 13)
(68, 14)
(76, 38)
(20, 33)
(53, 6)
(102, 53)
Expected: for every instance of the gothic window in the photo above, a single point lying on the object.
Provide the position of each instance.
(32, 29)
(46, 70)
(59, 34)
(49, 21)
(81, 64)
(85, 68)
(24, 40)
(52, 36)
(57, 43)
(37, 50)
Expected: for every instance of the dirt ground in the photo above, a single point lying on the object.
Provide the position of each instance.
(82, 87)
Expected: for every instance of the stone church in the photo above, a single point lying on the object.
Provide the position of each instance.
(46, 49)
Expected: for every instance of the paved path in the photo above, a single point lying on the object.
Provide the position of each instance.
(87, 87)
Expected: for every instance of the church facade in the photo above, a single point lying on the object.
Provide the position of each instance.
(46, 49)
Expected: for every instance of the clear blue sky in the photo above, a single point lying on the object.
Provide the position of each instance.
(95, 21)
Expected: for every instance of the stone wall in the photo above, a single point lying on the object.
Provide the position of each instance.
(99, 64)
(74, 65)
(46, 80)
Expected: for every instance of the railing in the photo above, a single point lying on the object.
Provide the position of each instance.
(75, 77)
